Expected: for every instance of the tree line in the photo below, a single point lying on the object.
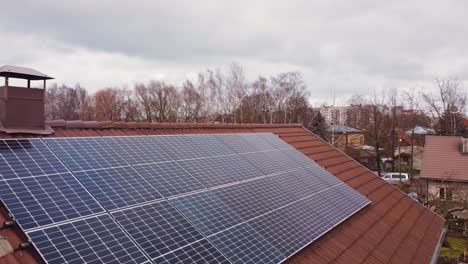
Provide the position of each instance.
(216, 96)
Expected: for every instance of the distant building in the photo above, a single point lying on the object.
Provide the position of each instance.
(334, 115)
(344, 137)
(445, 167)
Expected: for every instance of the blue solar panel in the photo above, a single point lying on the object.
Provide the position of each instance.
(300, 183)
(27, 157)
(169, 178)
(237, 167)
(118, 187)
(93, 240)
(274, 140)
(85, 153)
(43, 200)
(138, 150)
(270, 161)
(200, 252)
(236, 143)
(257, 142)
(158, 228)
(242, 245)
(299, 157)
(206, 212)
(207, 171)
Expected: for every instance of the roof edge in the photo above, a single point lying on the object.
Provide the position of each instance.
(436, 253)
(79, 124)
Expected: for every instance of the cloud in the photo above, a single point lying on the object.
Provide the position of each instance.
(340, 47)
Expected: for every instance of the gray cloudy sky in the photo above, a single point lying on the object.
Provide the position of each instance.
(341, 47)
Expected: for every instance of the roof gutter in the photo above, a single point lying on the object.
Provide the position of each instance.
(435, 255)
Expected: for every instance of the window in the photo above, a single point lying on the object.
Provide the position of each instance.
(445, 193)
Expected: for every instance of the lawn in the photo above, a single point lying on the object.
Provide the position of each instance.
(456, 249)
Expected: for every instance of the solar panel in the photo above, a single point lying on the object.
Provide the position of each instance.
(300, 183)
(179, 147)
(169, 178)
(270, 161)
(93, 240)
(206, 212)
(118, 187)
(208, 171)
(242, 245)
(43, 200)
(158, 228)
(138, 150)
(200, 252)
(299, 157)
(254, 198)
(237, 198)
(257, 142)
(274, 140)
(236, 143)
(27, 157)
(85, 153)
(237, 166)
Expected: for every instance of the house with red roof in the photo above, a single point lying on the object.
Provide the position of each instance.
(393, 228)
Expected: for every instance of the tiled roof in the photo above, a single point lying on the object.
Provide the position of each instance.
(343, 129)
(443, 159)
(392, 229)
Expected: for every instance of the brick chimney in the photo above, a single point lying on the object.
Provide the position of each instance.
(22, 108)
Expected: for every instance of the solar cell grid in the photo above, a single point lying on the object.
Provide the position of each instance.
(256, 141)
(324, 175)
(351, 195)
(238, 167)
(158, 228)
(270, 161)
(27, 157)
(206, 212)
(200, 252)
(43, 200)
(300, 183)
(299, 157)
(179, 147)
(138, 150)
(169, 178)
(208, 171)
(85, 153)
(211, 146)
(93, 240)
(241, 244)
(274, 140)
(236, 143)
(118, 187)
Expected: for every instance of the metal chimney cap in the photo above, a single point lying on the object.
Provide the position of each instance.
(23, 73)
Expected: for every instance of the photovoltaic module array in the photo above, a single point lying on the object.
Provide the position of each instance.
(227, 198)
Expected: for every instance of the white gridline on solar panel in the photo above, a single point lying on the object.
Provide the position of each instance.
(25, 166)
(207, 172)
(215, 216)
(138, 150)
(249, 247)
(118, 187)
(102, 236)
(236, 143)
(141, 222)
(238, 166)
(272, 193)
(169, 178)
(54, 194)
(258, 142)
(200, 252)
(85, 153)
(178, 147)
(265, 162)
(274, 140)
(344, 207)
